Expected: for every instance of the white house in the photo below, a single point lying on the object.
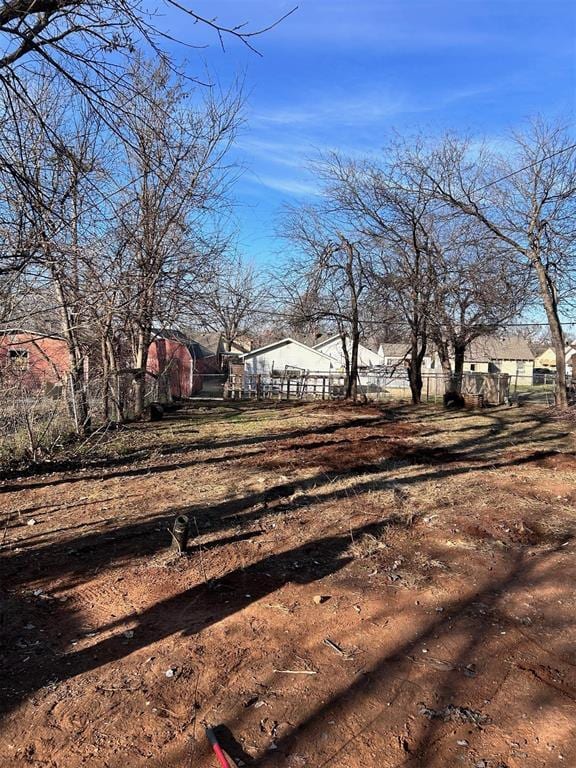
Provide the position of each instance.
(332, 346)
(287, 354)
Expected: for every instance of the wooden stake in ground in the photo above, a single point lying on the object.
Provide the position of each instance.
(180, 533)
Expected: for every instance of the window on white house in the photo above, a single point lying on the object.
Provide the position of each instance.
(521, 367)
(472, 366)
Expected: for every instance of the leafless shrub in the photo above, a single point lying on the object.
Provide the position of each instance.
(366, 546)
(34, 423)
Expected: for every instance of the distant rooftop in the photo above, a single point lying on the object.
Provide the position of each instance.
(489, 348)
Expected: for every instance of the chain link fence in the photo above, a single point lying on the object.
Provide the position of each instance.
(485, 388)
(33, 422)
(390, 385)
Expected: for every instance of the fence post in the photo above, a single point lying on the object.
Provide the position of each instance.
(180, 533)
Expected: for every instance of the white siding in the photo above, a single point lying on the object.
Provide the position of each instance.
(333, 348)
(288, 354)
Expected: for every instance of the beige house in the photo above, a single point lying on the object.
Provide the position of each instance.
(490, 354)
(545, 356)
(397, 356)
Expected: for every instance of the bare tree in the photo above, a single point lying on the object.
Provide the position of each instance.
(447, 279)
(526, 199)
(174, 156)
(390, 213)
(233, 300)
(116, 231)
(49, 215)
(91, 44)
(476, 290)
(68, 33)
(327, 282)
(90, 47)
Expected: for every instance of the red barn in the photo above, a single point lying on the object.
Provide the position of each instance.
(33, 360)
(177, 363)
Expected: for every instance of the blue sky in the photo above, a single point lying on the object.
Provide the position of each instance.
(343, 74)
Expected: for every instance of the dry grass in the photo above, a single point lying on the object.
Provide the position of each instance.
(400, 517)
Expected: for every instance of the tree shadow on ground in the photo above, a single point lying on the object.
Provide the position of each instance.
(92, 458)
(97, 549)
(422, 716)
(187, 612)
(200, 606)
(157, 451)
(411, 710)
(496, 439)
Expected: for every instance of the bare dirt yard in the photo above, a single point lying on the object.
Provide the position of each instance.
(365, 587)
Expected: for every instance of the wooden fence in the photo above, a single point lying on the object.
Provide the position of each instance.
(283, 386)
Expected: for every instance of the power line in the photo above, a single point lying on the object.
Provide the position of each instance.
(525, 168)
(557, 152)
(398, 323)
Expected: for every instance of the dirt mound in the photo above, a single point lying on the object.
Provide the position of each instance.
(558, 461)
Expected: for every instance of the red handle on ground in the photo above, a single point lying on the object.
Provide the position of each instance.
(222, 759)
(221, 756)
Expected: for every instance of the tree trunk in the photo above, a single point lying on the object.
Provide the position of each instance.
(105, 379)
(79, 400)
(415, 367)
(114, 383)
(459, 353)
(80, 404)
(352, 383)
(548, 294)
(415, 379)
(444, 356)
(141, 363)
(346, 355)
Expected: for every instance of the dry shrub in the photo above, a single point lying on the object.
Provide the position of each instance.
(369, 544)
(366, 546)
(34, 423)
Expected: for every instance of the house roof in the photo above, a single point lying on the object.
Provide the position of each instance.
(283, 342)
(196, 350)
(334, 337)
(325, 338)
(36, 335)
(399, 349)
(539, 349)
(489, 348)
(480, 350)
(213, 342)
(210, 341)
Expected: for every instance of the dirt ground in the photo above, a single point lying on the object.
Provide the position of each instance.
(365, 587)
